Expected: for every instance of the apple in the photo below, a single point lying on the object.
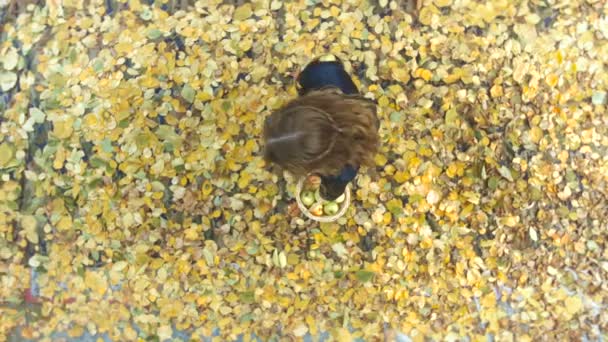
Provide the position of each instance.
(313, 181)
(331, 208)
(308, 198)
(316, 209)
(340, 199)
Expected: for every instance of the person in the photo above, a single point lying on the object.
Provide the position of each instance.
(329, 129)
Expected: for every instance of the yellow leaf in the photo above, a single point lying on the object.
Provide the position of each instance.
(63, 129)
(242, 12)
(29, 225)
(65, 223)
(489, 300)
(312, 23)
(341, 335)
(510, 221)
(573, 305)
(443, 3)
(387, 218)
(76, 331)
(312, 325)
(191, 234)
(425, 15)
(536, 134)
(130, 333)
(60, 157)
(90, 121)
(452, 170)
(401, 177)
(552, 80)
(300, 331)
(244, 180)
(383, 101)
(449, 79)
(380, 159)
(335, 11)
(496, 91)
(95, 282)
(6, 154)
(401, 75)
(164, 332)
(423, 73)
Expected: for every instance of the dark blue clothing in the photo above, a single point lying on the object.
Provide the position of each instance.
(318, 75)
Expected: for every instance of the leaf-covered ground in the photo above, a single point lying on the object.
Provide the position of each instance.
(134, 202)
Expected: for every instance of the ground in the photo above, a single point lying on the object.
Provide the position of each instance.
(134, 202)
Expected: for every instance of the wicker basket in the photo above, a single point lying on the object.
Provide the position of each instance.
(343, 206)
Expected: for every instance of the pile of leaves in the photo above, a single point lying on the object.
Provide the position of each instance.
(134, 201)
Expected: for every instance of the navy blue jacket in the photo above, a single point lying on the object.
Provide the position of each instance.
(319, 75)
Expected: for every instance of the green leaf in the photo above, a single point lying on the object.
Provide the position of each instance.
(8, 80)
(571, 176)
(247, 317)
(146, 14)
(451, 116)
(142, 140)
(188, 93)
(252, 250)
(339, 249)
(364, 276)
(154, 33)
(226, 105)
(247, 297)
(397, 117)
(95, 183)
(598, 98)
(506, 173)
(167, 134)
(493, 183)
(10, 59)
(415, 198)
(208, 257)
(395, 206)
(106, 145)
(37, 115)
(98, 65)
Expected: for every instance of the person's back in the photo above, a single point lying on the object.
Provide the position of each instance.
(329, 130)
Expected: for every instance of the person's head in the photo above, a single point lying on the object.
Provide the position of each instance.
(322, 132)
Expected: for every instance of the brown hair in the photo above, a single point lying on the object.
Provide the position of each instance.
(322, 132)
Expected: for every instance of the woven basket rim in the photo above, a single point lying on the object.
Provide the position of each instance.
(325, 219)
